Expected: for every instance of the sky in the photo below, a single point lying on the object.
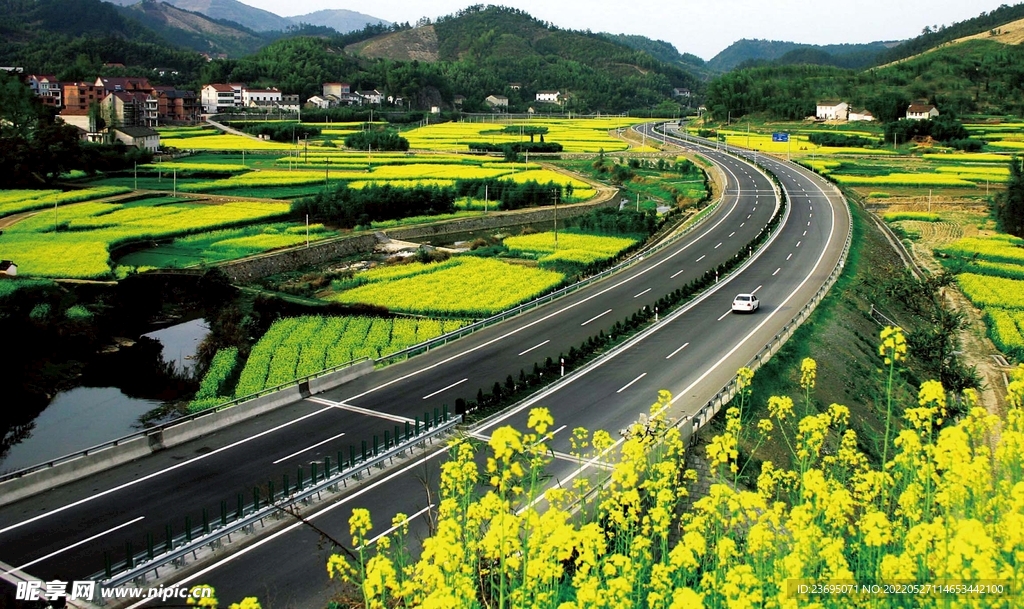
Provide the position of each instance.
(703, 27)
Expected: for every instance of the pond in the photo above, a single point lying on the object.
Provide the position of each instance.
(116, 390)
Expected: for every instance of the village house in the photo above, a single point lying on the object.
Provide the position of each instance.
(550, 97)
(496, 101)
(142, 138)
(337, 89)
(860, 115)
(217, 97)
(832, 110)
(373, 96)
(7, 267)
(46, 87)
(918, 112)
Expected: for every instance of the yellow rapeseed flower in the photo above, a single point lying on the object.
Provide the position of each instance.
(894, 345)
(743, 378)
(780, 407)
(808, 373)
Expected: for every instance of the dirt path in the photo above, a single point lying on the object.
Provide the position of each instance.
(977, 349)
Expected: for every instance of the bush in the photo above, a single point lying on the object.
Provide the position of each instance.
(377, 139)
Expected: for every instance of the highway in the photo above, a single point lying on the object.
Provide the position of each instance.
(64, 533)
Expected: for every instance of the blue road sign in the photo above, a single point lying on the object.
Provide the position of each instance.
(780, 137)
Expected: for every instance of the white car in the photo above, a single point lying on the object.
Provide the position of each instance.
(745, 303)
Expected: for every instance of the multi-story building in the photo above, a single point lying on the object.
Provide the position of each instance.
(176, 105)
(261, 97)
(217, 97)
(46, 87)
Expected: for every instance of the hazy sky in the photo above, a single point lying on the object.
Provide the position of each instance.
(700, 27)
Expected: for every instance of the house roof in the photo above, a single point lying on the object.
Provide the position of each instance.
(549, 92)
(498, 97)
(125, 83)
(134, 132)
(6, 264)
(863, 111)
(42, 77)
(251, 91)
(920, 108)
(220, 88)
(830, 102)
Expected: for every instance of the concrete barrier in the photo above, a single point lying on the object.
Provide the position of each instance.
(69, 471)
(336, 379)
(159, 439)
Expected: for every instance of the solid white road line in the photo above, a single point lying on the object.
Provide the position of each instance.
(342, 502)
(537, 346)
(724, 315)
(75, 545)
(679, 272)
(685, 345)
(626, 386)
(160, 472)
(366, 411)
(395, 527)
(455, 384)
(642, 293)
(595, 317)
(299, 452)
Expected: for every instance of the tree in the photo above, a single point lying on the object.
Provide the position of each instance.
(1010, 204)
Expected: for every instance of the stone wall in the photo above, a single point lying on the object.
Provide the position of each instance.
(325, 252)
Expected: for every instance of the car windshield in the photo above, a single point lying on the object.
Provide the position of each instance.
(743, 297)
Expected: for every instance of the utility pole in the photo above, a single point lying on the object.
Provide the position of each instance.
(307, 230)
(174, 189)
(136, 175)
(486, 196)
(556, 219)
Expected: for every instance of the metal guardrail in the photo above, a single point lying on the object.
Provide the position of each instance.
(136, 566)
(692, 223)
(178, 421)
(728, 391)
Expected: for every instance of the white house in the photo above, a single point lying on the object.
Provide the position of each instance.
(860, 115)
(261, 97)
(336, 89)
(8, 267)
(832, 110)
(918, 112)
(496, 101)
(372, 96)
(679, 92)
(550, 97)
(217, 97)
(142, 138)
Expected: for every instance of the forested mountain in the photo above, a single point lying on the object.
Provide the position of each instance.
(933, 37)
(977, 76)
(481, 51)
(195, 30)
(251, 17)
(746, 52)
(73, 39)
(662, 51)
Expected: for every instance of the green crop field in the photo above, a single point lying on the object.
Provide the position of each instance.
(75, 241)
(459, 287)
(17, 201)
(225, 244)
(572, 247)
(575, 135)
(297, 347)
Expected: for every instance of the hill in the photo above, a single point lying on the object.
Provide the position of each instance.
(662, 51)
(75, 38)
(340, 20)
(746, 52)
(984, 24)
(195, 30)
(251, 17)
(481, 51)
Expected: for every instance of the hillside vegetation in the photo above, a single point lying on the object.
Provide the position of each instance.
(746, 51)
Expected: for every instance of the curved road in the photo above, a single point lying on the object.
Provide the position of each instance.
(692, 353)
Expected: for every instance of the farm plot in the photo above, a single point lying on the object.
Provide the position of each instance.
(17, 201)
(577, 248)
(583, 135)
(75, 242)
(225, 244)
(297, 347)
(459, 287)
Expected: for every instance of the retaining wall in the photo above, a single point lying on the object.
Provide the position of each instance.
(321, 253)
(173, 435)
